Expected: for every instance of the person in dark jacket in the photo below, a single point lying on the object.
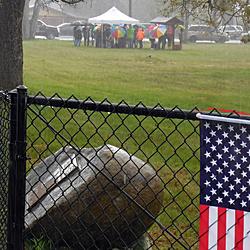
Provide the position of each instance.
(77, 33)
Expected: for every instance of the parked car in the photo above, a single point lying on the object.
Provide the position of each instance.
(245, 37)
(43, 29)
(205, 32)
(65, 29)
(234, 31)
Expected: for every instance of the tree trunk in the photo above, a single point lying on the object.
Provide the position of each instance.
(35, 15)
(26, 21)
(11, 52)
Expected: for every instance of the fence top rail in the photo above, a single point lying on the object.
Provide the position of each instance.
(124, 108)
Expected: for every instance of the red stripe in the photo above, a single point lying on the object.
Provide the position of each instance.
(229, 111)
(222, 228)
(204, 227)
(239, 229)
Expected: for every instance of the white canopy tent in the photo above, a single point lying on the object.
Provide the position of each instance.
(113, 16)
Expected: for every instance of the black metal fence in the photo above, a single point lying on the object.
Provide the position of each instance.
(4, 173)
(101, 176)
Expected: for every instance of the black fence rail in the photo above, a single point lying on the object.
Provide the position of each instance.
(104, 176)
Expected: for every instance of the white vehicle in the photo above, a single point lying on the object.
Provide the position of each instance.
(65, 30)
(201, 32)
(234, 31)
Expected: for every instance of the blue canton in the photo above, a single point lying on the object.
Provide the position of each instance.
(225, 165)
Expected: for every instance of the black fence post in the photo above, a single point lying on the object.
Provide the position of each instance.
(17, 168)
(12, 166)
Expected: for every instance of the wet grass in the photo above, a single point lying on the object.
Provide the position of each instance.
(214, 75)
(200, 75)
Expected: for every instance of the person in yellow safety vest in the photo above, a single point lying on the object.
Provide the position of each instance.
(140, 36)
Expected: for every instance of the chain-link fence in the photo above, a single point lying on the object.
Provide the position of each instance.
(4, 172)
(102, 175)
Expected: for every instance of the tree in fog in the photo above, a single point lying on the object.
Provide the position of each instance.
(11, 49)
(213, 12)
(29, 21)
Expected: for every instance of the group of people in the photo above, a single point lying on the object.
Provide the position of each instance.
(117, 36)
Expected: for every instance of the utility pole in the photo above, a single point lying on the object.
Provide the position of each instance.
(130, 8)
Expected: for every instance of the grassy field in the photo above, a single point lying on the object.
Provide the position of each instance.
(215, 75)
(205, 76)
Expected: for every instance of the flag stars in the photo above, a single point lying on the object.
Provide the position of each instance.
(237, 181)
(207, 140)
(207, 183)
(207, 154)
(219, 156)
(225, 135)
(226, 179)
(219, 126)
(237, 151)
(243, 203)
(213, 162)
(207, 198)
(225, 164)
(243, 130)
(219, 185)
(225, 193)
(231, 172)
(219, 141)
(213, 177)
(207, 169)
(225, 149)
(213, 148)
(207, 125)
(237, 165)
(232, 157)
(243, 189)
(231, 187)
(244, 174)
(237, 195)
(212, 133)
(219, 170)
(237, 136)
(244, 159)
(231, 143)
(219, 200)
(213, 191)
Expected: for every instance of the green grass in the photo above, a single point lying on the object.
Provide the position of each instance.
(215, 75)
(200, 75)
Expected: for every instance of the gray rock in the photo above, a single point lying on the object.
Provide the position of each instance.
(70, 201)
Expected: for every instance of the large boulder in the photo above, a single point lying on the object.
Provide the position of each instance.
(96, 198)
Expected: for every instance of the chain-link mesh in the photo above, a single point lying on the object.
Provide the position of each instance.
(4, 172)
(104, 176)
(136, 184)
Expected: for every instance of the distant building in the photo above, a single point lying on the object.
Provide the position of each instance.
(55, 13)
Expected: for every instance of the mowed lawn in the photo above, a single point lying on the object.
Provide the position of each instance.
(216, 75)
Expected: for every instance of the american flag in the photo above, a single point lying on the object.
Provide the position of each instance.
(225, 185)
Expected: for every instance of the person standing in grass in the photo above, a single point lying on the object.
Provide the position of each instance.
(77, 32)
(130, 36)
(140, 36)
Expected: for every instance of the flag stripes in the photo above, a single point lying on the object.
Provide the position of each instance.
(224, 229)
